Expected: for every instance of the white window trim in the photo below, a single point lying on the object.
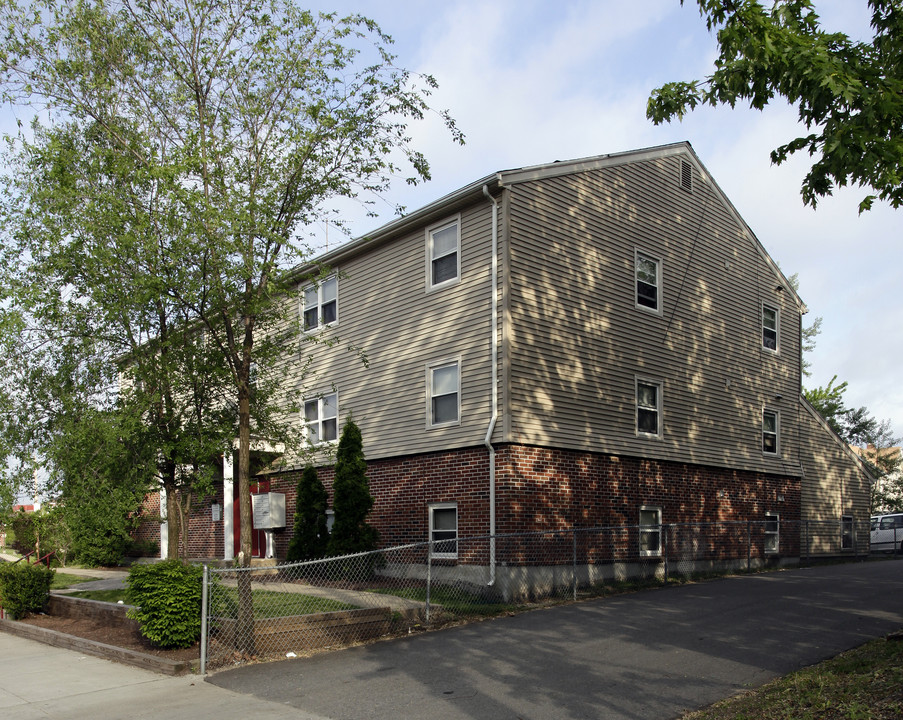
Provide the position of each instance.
(429, 392)
(777, 433)
(650, 529)
(637, 253)
(636, 406)
(768, 533)
(303, 302)
(320, 418)
(430, 287)
(777, 328)
(443, 506)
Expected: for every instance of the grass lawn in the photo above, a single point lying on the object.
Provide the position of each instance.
(865, 683)
(224, 603)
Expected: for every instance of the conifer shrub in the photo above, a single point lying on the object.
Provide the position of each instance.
(352, 500)
(310, 535)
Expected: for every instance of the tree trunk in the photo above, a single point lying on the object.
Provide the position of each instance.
(173, 523)
(245, 600)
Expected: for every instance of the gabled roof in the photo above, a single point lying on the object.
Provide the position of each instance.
(506, 178)
(850, 452)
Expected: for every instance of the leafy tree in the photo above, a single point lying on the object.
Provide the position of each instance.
(233, 123)
(849, 95)
(106, 469)
(352, 500)
(310, 536)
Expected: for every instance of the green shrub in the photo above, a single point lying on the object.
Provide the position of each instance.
(24, 588)
(168, 599)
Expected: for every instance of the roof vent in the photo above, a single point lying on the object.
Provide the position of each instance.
(686, 176)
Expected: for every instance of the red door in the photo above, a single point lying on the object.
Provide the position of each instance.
(258, 537)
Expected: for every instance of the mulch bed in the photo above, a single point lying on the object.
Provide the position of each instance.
(109, 634)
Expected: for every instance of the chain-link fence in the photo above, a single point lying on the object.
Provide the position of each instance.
(297, 608)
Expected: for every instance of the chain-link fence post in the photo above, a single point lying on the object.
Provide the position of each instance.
(429, 574)
(748, 545)
(665, 530)
(205, 588)
(574, 543)
(807, 542)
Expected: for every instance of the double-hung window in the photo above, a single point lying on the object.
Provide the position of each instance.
(648, 408)
(444, 530)
(771, 326)
(321, 419)
(648, 282)
(772, 533)
(321, 304)
(771, 429)
(444, 254)
(444, 384)
(846, 532)
(650, 531)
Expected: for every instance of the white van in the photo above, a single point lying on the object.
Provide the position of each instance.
(887, 532)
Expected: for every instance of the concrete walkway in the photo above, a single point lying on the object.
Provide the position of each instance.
(39, 682)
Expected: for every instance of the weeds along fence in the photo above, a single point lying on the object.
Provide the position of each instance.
(297, 608)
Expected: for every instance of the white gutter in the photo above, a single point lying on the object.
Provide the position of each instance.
(495, 392)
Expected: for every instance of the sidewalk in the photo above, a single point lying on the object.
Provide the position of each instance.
(39, 682)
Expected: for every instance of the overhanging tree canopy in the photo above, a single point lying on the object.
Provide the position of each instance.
(849, 94)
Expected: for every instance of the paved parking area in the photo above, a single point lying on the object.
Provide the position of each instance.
(647, 655)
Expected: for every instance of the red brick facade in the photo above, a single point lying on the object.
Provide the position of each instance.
(537, 489)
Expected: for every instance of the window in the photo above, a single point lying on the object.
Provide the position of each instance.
(772, 533)
(321, 419)
(444, 382)
(846, 532)
(444, 530)
(770, 432)
(321, 304)
(650, 531)
(444, 254)
(648, 282)
(648, 408)
(770, 328)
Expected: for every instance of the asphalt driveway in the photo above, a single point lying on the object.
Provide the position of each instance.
(649, 655)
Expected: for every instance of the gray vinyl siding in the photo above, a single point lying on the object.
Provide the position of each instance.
(386, 315)
(577, 342)
(833, 483)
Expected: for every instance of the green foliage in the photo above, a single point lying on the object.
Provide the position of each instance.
(849, 94)
(874, 438)
(24, 588)
(105, 469)
(310, 535)
(168, 599)
(189, 145)
(42, 532)
(352, 500)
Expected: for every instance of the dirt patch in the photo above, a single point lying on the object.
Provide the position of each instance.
(108, 634)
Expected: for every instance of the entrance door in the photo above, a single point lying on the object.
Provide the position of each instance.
(258, 537)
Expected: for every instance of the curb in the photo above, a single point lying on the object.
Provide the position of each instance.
(90, 647)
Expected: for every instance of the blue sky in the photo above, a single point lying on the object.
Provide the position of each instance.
(532, 82)
(535, 81)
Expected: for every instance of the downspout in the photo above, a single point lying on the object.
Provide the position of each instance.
(495, 392)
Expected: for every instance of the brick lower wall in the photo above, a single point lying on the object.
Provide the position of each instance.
(204, 537)
(540, 489)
